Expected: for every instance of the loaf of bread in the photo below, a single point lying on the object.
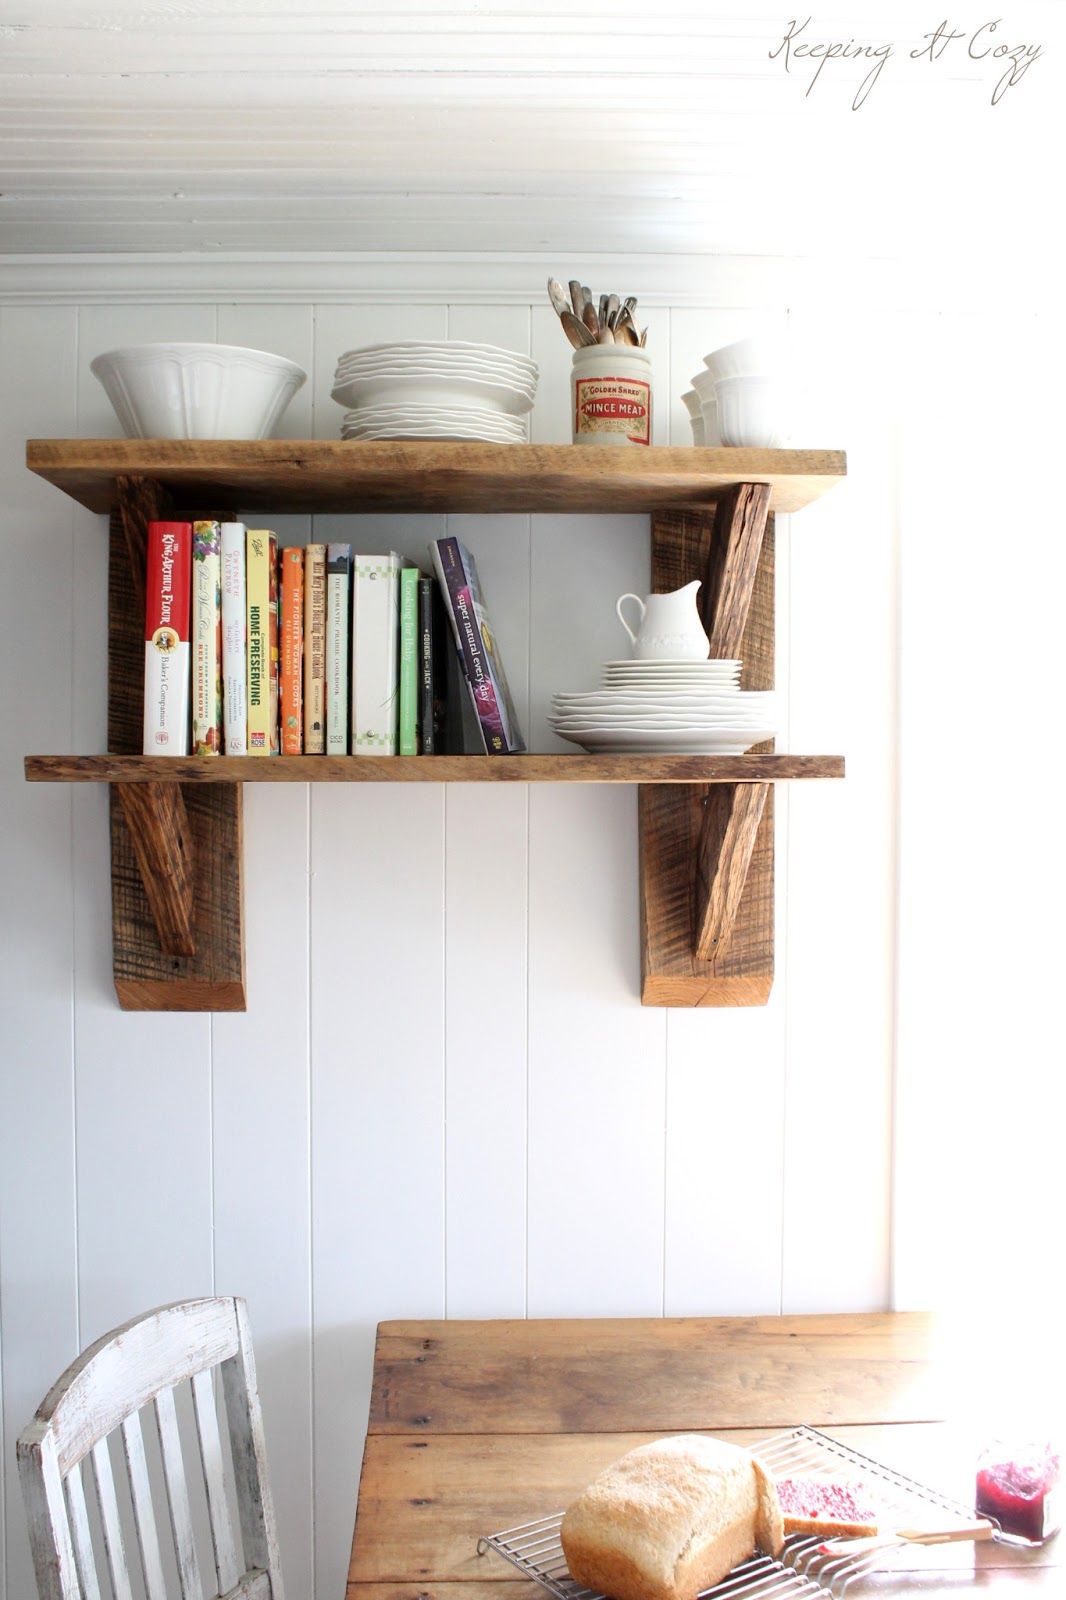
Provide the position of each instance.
(671, 1519)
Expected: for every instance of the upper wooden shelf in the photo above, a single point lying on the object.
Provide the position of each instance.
(753, 768)
(279, 475)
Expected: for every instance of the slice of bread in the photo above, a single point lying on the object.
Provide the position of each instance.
(670, 1519)
(826, 1506)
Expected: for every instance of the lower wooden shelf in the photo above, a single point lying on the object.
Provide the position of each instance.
(176, 859)
(431, 769)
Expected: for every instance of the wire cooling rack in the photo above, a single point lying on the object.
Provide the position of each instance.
(803, 1570)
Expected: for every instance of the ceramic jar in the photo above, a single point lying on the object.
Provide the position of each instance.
(610, 392)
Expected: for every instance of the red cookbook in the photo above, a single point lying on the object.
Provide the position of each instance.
(166, 639)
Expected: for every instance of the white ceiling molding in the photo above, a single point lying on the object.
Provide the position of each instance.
(577, 126)
(447, 278)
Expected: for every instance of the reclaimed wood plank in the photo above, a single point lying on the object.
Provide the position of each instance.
(429, 1490)
(736, 546)
(651, 1374)
(427, 1497)
(125, 640)
(158, 827)
(731, 819)
(424, 1503)
(1024, 1579)
(212, 979)
(731, 822)
(673, 822)
(216, 770)
(337, 475)
(446, 1589)
(139, 501)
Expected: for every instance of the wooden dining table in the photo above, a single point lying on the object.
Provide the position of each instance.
(480, 1426)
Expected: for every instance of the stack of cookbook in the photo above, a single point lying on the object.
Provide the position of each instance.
(312, 650)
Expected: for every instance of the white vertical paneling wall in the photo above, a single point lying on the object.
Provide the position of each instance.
(445, 1098)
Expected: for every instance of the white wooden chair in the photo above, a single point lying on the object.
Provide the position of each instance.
(102, 1393)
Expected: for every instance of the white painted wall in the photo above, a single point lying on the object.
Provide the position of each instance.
(445, 1076)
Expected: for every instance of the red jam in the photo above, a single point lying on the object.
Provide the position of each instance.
(1019, 1488)
(825, 1499)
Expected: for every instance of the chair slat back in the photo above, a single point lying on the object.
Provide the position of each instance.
(189, 1578)
(107, 1500)
(155, 1587)
(145, 1364)
(83, 1542)
(224, 1549)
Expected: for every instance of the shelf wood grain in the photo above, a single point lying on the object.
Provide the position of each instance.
(482, 1425)
(123, 769)
(707, 878)
(286, 475)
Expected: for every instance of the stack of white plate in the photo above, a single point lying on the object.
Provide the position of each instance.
(433, 422)
(443, 390)
(667, 707)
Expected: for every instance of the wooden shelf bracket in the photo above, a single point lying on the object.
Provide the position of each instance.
(176, 900)
(707, 854)
(158, 826)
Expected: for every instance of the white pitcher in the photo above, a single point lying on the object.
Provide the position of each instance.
(670, 626)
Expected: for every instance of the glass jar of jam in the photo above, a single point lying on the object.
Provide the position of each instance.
(1018, 1486)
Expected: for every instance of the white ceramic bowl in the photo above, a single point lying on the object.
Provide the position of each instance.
(691, 402)
(712, 434)
(197, 391)
(752, 412)
(703, 389)
(745, 358)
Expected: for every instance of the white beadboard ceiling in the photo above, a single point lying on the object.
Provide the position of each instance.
(574, 125)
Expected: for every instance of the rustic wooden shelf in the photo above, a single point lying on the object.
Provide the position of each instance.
(282, 475)
(706, 822)
(431, 769)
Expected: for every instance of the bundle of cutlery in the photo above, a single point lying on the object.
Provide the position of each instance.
(586, 322)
